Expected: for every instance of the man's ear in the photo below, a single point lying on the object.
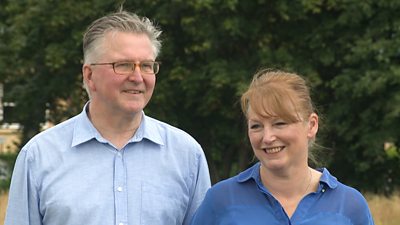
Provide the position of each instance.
(87, 75)
(312, 126)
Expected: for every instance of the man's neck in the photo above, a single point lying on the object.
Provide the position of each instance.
(116, 129)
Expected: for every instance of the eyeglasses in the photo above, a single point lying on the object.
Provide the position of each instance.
(126, 68)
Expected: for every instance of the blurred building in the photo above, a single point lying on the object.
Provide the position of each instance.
(9, 128)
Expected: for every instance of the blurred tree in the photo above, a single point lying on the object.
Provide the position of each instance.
(41, 62)
(347, 49)
(357, 59)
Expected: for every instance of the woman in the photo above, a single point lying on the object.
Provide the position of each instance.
(282, 188)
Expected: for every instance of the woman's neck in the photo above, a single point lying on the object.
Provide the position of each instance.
(289, 187)
(287, 183)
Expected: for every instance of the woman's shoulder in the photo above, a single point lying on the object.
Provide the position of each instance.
(236, 184)
(341, 188)
(224, 185)
(344, 199)
(344, 193)
(351, 194)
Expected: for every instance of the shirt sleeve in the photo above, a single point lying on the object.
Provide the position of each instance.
(363, 216)
(201, 184)
(361, 211)
(23, 204)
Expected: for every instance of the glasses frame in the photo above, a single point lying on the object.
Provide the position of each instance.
(156, 63)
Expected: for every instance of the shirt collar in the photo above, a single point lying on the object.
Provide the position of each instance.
(85, 131)
(254, 173)
(251, 173)
(328, 179)
(149, 130)
(83, 128)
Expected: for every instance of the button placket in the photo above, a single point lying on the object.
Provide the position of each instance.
(120, 195)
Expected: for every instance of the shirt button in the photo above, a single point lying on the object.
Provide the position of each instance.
(119, 189)
(323, 190)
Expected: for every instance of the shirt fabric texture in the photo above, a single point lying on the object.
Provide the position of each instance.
(70, 175)
(243, 200)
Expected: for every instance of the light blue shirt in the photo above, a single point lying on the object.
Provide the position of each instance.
(243, 200)
(71, 175)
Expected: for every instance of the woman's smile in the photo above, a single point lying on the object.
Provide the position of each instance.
(273, 150)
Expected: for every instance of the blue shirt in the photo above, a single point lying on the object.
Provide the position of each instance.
(71, 175)
(244, 200)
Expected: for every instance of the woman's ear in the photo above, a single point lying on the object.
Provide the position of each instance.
(312, 126)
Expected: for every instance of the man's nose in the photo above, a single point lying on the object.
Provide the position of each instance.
(136, 73)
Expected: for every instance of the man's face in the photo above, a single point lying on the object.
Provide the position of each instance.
(121, 94)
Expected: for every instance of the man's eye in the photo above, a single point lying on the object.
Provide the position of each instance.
(147, 66)
(124, 66)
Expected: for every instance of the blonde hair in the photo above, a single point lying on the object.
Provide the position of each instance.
(278, 94)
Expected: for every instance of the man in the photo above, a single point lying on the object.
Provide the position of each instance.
(111, 164)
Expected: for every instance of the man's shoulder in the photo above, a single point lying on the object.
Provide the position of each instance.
(59, 132)
(168, 129)
(162, 124)
(62, 127)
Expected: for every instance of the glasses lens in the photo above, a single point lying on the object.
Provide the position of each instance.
(156, 67)
(124, 67)
(149, 67)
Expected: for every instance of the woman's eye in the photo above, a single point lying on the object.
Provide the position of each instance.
(254, 126)
(280, 123)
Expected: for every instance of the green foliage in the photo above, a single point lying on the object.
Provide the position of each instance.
(349, 51)
(7, 161)
(43, 61)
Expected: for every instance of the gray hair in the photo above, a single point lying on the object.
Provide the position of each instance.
(121, 21)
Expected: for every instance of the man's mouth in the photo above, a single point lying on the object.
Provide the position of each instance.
(133, 92)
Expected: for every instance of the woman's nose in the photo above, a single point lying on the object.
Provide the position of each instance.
(269, 136)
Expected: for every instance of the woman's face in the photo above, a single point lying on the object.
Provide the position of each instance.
(279, 144)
